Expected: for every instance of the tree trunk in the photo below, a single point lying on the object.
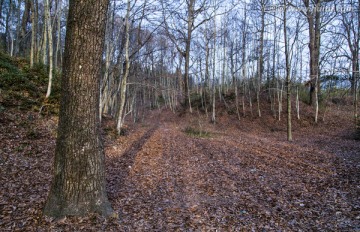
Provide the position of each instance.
(44, 42)
(33, 32)
(78, 186)
(105, 82)
(123, 87)
(260, 67)
(207, 72)
(24, 21)
(273, 74)
(223, 66)
(58, 39)
(234, 80)
(190, 21)
(51, 49)
(7, 28)
(297, 103)
(1, 8)
(288, 81)
(213, 117)
(280, 95)
(243, 59)
(313, 18)
(16, 37)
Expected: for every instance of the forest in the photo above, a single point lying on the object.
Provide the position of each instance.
(188, 115)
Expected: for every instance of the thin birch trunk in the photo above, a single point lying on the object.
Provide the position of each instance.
(123, 86)
(49, 33)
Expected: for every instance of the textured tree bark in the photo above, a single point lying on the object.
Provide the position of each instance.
(78, 186)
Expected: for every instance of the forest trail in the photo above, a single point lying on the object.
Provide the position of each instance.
(169, 181)
(160, 178)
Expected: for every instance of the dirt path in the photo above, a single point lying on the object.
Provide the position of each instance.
(169, 181)
(161, 179)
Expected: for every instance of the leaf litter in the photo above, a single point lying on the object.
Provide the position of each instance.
(241, 178)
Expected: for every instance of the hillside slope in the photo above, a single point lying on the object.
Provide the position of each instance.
(183, 173)
(24, 87)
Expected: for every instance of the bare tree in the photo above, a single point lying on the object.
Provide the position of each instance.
(50, 46)
(350, 23)
(34, 18)
(181, 36)
(23, 28)
(214, 81)
(287, 70)
(58, 53)
(313, 15)
(123, 86)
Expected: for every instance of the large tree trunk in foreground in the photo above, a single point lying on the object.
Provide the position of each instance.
(78, 186)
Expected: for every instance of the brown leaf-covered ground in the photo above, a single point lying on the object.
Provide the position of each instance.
(242, 176)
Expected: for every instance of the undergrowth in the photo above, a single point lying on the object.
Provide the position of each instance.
(25, 88)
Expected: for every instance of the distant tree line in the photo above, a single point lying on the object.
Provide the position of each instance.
(171, 52)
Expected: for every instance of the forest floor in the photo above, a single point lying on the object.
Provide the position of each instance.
(163, 175)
